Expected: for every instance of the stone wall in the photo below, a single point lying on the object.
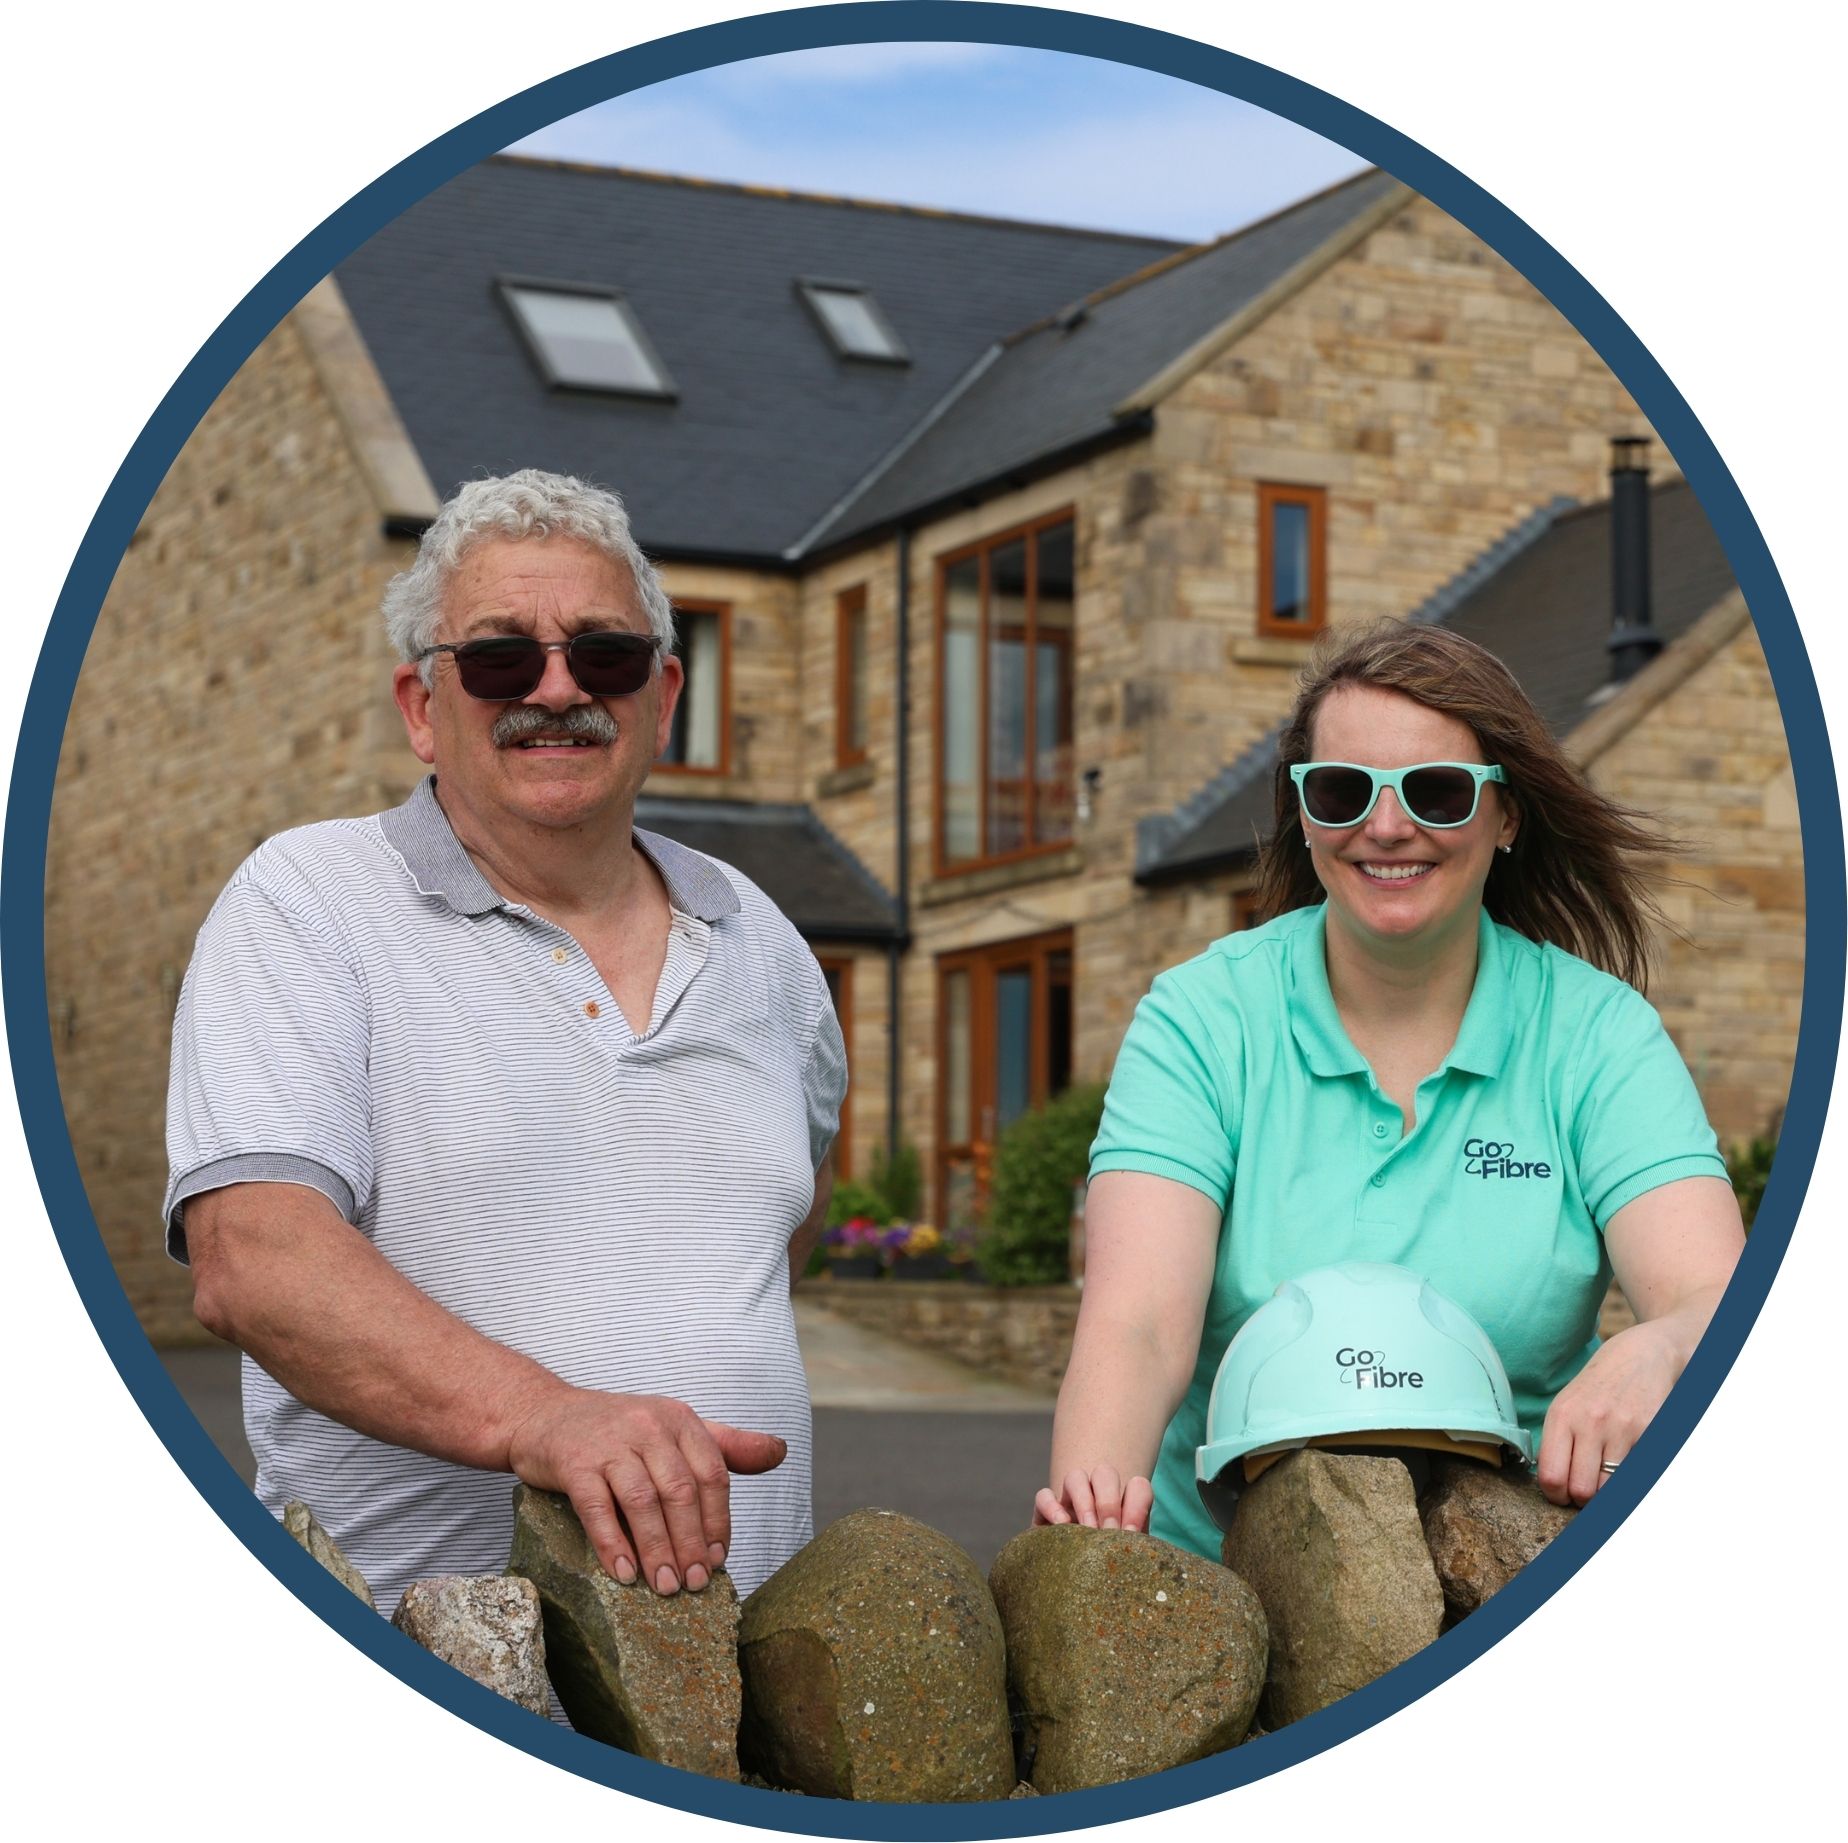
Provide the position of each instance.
(1023, 1333)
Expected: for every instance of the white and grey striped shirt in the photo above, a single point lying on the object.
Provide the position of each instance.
(365, 1015)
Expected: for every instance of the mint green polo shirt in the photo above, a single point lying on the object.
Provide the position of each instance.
(1562, 1100)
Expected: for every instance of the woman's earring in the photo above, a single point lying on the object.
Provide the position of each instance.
(1504, 849)
(1309, 847)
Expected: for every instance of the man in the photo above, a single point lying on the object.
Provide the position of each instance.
(497, 1129)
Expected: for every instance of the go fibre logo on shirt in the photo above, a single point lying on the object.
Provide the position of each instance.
(1366, 1369)
(1495, 1158)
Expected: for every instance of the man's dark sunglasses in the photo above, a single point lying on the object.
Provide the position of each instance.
(503, 667)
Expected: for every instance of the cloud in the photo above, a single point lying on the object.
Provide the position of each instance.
(850, 65)
(1136, 154)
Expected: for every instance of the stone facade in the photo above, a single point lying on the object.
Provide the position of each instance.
(1419, 380)
(238, 683)
(1707, 756)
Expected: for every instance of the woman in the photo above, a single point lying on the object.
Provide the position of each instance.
(1435, 1053)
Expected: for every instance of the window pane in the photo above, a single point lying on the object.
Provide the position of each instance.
(694, 740)
(1007, 698)
(1013, 1045)
(588, 340)
(1289, 561)
(1053, 770)
(1058, 1022)
(962, 710)
(854, 639)
(956, 1071)
(856, 328)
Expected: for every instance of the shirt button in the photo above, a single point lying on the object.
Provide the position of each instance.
(593, 1009)
(1379, 1180)
(560, 956)
(1379, 1129)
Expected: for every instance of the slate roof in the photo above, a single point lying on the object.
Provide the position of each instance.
(771, 427)
(1055, 386)
(790, 855)
(1540, 600)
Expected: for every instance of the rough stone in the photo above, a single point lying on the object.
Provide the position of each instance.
(305, 1527)
(1126, 1655)
(656, 1676)
(1483, 1527)
(1333, 1546)
(487, 1627)
(873, 1669)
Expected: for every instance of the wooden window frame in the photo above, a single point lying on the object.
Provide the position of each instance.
(942, 865)
(847, 604)
(1272, 494)
(841, 965)
(1039, 949)
(696, 770)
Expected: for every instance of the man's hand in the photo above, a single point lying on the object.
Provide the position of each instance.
(648, 1478)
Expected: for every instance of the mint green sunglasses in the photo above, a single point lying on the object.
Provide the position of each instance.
(1434, 794)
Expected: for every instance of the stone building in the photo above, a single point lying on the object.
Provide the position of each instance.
(996, 548)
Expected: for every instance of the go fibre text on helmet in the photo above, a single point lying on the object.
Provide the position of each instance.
(1366, 1369)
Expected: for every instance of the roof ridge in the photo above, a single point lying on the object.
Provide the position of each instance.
(793, 194)
(1177, 258)
(1156, 834)
(932, 414)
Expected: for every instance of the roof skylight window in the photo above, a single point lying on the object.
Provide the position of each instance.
(586, 338)
(854, 321)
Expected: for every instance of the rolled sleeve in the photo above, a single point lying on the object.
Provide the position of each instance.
(1638, 1122)
(269, 1070)
(824, 1082)
(1170, 1110)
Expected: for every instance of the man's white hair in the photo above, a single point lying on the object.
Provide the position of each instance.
(527, 504)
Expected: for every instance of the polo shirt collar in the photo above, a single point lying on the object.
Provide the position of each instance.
(1482, 1041)
(420, 833)
(1314, 1021)
(1488, 1020)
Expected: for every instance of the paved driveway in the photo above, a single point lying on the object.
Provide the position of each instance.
(894, 1427)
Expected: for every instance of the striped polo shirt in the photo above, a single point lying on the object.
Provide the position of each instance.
(365, 1015)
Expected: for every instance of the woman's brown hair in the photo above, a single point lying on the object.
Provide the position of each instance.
(1578, 872)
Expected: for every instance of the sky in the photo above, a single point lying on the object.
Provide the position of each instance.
(981, 128)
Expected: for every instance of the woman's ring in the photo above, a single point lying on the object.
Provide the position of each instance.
(1610, 1465)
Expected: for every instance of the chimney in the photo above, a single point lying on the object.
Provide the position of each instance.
(1634, 640)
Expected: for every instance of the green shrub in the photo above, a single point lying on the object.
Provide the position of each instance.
(1038, 1161)
(853, 1199)
(1749, 1166)
(899, 1181)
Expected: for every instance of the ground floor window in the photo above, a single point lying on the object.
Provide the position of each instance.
(1004, 1045)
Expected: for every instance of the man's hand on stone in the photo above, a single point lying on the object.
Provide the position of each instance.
(648, 1478)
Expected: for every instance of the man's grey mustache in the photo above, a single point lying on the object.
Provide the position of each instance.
(581, 722)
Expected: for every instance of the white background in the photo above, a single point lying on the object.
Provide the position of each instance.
(160, 159)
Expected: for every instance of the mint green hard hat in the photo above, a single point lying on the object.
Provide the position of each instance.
(1362, 1353)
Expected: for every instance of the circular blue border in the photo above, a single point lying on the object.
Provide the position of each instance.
(22, 869)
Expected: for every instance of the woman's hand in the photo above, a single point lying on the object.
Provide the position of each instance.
(1098, 1498)
(1673, 1249)
(1597, 1417)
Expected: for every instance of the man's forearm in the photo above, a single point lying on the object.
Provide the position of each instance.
(279, 1273)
